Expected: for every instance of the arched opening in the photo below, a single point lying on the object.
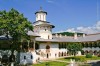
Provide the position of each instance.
(82, 52)
(95, 52)
(25, 45)
(59, 54)
(65, 53)
(48, 50)
(86, 51)
(47, 47)
(47, 55)
(91, 52)
(36, 46)
(62, 54)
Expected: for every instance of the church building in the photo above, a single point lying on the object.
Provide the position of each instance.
(47, 45)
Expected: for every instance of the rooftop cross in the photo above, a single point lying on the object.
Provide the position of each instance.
(40, 8)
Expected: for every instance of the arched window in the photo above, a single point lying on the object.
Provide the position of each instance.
(25, 45)
(47, 47)
(31, 44)
(36, 46)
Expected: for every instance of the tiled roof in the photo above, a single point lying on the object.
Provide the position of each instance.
(31, 33)
(94, 37)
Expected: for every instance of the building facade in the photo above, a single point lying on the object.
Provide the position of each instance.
(54, 45)
(46, 45)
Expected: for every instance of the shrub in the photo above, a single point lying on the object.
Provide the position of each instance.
(88, 56)
(80, 58)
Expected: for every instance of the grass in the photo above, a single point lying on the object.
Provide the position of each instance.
(51, 63)
(77, 58)
(80, 58)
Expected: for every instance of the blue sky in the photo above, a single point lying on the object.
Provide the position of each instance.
(66, 15)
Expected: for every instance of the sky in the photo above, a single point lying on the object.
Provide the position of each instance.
(65, 15)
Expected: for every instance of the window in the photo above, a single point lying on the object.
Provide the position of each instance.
(48, 37)
(47, 47)
(36, 46)
(31, 57)
(24, 57)
(36, 16)
(31, 44)
(59, 46)
(45, 29)
(40, 17)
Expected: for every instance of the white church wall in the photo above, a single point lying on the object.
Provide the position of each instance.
(28, 57)
(41, 16)
(46, 35)
(54, 50)
(63, 50)
(93, 48)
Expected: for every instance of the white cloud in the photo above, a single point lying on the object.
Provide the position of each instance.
(50, 1)
(89, 30)
(71, 30)
(59, 31)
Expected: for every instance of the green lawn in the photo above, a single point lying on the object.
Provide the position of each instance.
(80, 58)
(77, 58)
(51, 63)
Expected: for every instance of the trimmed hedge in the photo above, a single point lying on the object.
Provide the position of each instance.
(88, 56)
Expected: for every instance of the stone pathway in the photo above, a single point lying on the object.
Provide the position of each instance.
(94, 62)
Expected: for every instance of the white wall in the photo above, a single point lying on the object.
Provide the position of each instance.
(28, 57)
(45, 35)
(93, 49)
(54, 49)
(41, 16)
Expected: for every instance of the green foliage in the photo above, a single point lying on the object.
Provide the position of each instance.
(80, 58)
(74, 47)
(14, 24)
(69, 33)
(51, 63)
(76, 58)
(88, 55)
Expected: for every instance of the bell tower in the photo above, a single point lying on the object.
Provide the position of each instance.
(41, 26)
(41, 15)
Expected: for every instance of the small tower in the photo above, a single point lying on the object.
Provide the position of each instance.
(41, 15)
(41, 26)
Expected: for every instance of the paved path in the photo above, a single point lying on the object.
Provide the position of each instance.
(94, 62)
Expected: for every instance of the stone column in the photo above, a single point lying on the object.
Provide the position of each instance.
(34, 44)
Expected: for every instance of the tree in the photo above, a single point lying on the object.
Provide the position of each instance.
(74, 47)
(14, 25)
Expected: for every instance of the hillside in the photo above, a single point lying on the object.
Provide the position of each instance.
(68, 34)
